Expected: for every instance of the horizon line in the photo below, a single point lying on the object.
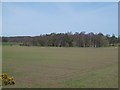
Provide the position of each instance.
(58, 33)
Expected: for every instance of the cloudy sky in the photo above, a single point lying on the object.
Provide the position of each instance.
(35, 18)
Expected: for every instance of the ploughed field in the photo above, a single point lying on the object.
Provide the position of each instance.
(60, 67)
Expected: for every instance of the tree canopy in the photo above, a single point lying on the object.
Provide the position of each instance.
(78, 39)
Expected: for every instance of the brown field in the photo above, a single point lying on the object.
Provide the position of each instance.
(45, 67)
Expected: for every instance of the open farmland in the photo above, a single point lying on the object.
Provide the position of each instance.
(49, 67)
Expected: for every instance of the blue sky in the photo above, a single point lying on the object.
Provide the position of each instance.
(37, 18)
(0, 19)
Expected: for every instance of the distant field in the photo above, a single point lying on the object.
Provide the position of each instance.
(40, 67)
(8, 43)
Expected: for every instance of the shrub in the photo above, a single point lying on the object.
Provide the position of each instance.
(6, 80)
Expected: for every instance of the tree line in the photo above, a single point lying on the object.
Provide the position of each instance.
(78, 39)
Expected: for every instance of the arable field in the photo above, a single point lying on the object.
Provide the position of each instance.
(52, 67)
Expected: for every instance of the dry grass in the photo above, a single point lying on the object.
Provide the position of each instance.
(61, 67)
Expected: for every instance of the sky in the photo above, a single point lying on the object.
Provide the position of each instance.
(35, 18)
(60, 0)
(0, 19)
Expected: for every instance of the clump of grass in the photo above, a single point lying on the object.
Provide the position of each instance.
(6, 80)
